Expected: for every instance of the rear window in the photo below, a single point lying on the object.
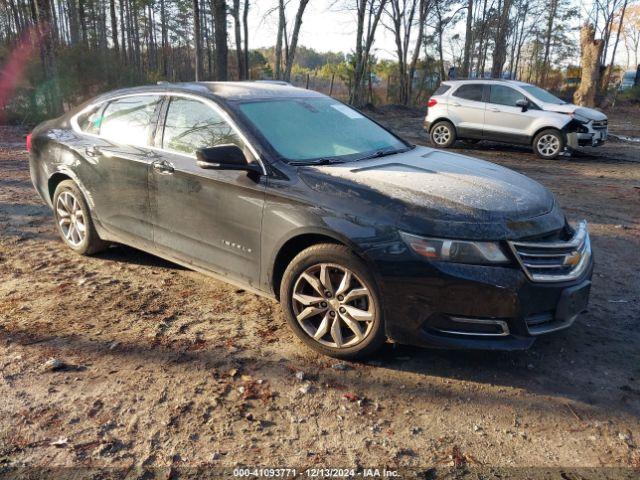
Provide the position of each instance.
(442, 89)
(89, 121)
(127, 120)
(470, 92)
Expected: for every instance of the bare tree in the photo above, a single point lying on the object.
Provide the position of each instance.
(237, 28)
(468, 40)
(401, 14)
(368, 13)
(500, 43)
(220, 34)
(590, 63)
(291, 50)
(197, 39)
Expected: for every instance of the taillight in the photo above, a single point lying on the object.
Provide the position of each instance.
(28, 142)
(432, 102)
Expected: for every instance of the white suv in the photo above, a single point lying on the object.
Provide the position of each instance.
(512, 112)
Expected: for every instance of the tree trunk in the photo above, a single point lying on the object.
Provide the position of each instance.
(114, 26)
(54, 100)
(553, 8)
(281, 34)
(467, 41)
(591, 49)
(605, 83)
(291, 51)
(369, 12)
(220, 35)
(245, 25)
(196, 38)
(500, 47)
(237, 28)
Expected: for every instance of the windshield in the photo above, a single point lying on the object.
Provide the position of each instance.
(542, 95)
(308, 129)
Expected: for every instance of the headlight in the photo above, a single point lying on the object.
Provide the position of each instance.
(578, 117)
(457, 251)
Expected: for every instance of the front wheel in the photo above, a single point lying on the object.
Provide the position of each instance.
(331, 302)
(548, 144)
(443, 134)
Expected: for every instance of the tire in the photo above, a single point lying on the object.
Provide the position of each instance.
(548, 144)
(73, 220)
(442, 134)
(335, 309)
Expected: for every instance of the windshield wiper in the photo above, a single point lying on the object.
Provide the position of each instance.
(383, 153)
(318, 161)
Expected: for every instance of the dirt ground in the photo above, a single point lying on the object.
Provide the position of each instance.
(163, 367)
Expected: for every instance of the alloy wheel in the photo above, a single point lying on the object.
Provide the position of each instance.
(71, 218)
(333, 305)
(548, 145)
(441, 135)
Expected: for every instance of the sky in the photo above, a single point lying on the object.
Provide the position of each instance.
(325, 27)
(328, 26)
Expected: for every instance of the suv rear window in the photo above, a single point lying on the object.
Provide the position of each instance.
(442, 89)
(470, 92)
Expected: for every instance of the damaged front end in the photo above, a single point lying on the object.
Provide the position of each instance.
(584, 132)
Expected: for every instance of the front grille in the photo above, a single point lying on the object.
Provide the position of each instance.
(555, 261)
(600, 124)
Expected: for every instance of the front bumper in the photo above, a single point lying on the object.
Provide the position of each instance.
(590, 134)
(451, 305)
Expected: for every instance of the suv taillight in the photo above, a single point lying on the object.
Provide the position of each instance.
(28, 142)
(432, 102)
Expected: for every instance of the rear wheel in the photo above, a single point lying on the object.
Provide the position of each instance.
(548, 144)
(332, 303)
(443, 134)
(73, 220)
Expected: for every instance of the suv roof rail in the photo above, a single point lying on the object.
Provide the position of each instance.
(480, 79)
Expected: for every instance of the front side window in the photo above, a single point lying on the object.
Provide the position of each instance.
(127, 120)
(191, 125)
(89, 121)
(470, 92)
(501, 95)
(302, 129)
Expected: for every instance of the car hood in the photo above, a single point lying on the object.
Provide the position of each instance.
(444, 192)
(590, 113)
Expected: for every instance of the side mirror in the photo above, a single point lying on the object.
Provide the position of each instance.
(225, 157)
(523, 103)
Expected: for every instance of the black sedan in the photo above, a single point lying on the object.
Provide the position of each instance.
(362, 236)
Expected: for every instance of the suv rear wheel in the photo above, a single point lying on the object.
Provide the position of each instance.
(443, 134)
(548, 143)
(331, 302)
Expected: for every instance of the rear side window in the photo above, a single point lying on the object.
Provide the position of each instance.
(127, 120)
(501, 95)
(470, 92)
(442, 89)
(89, 121)
(191, 125)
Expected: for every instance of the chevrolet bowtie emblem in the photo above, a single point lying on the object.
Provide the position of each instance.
(572, 259)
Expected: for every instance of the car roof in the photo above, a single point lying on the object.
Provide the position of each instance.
(454, 83)
(225, 91)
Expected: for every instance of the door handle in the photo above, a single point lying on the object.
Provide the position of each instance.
(455, 104)
(163, 167)
(92, 151)
(494, 109)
